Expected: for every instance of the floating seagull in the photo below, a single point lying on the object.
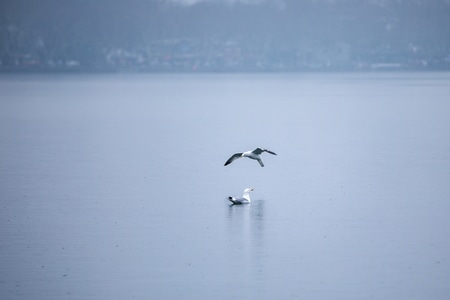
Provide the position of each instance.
(245, 198)
(250, 154)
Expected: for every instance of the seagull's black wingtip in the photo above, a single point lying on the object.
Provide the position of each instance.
(271, 152)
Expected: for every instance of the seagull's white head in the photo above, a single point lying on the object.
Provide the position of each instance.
(248, 190)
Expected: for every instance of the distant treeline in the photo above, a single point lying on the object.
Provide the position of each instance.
(157, 35)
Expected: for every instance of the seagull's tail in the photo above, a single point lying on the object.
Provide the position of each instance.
(231, 199)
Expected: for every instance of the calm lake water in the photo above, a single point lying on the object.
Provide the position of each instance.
(113, 186)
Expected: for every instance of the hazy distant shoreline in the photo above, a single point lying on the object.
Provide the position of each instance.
(249, 71)
(224, 36)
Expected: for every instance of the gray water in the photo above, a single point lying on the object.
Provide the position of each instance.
(113, 186)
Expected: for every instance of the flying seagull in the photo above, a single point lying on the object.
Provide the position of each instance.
(245, 198)
(250, 154)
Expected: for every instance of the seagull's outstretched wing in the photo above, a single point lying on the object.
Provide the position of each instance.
(233, 158)
(260, 150)
(260, 162)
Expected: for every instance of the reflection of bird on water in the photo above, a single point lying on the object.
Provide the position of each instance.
(245, 199)
(255, 154)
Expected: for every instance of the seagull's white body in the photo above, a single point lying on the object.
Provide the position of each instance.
(245, 199)
(254, 154)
